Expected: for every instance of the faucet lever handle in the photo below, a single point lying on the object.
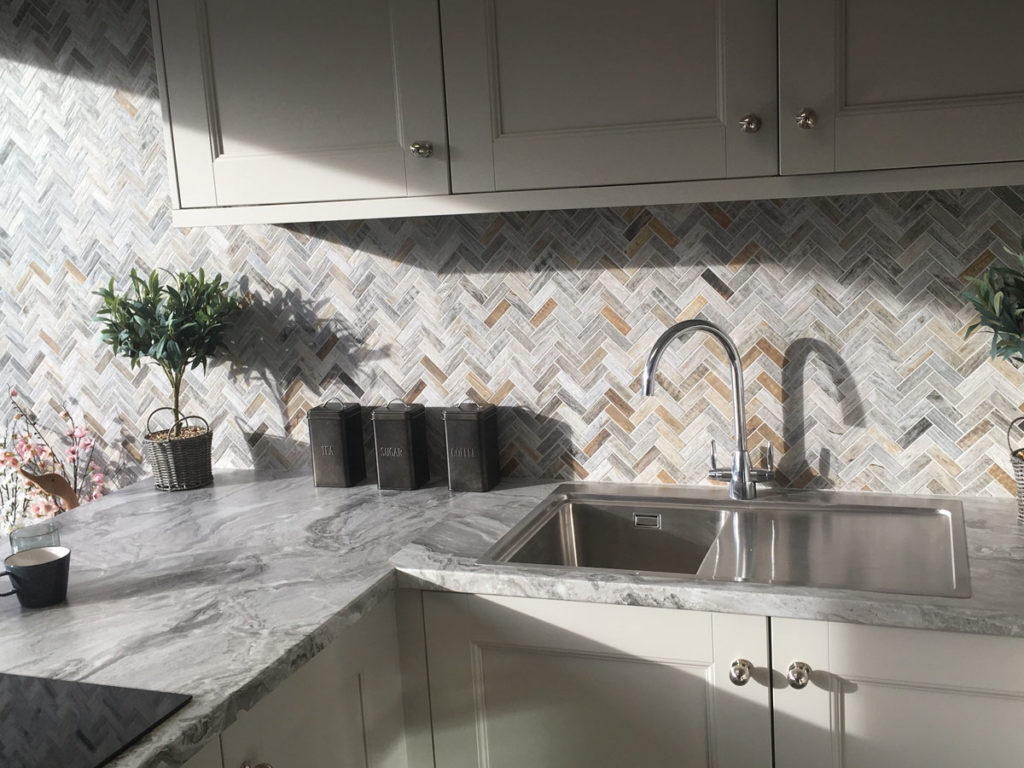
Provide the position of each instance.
(714, 464)
(770, 459)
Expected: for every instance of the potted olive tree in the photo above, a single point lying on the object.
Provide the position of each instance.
(178, 325)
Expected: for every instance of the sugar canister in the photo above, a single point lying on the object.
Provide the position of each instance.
(400, 442)
(471, 437)
(336, 443)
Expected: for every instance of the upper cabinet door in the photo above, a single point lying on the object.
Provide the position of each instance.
(900, 84)
(306, 100)
(594, 92)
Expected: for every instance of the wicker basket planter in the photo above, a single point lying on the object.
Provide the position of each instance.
(1017, 462)
(180, 463)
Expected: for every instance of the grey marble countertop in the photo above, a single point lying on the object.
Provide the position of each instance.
(223, 591)
(218, 592)
(445, 558)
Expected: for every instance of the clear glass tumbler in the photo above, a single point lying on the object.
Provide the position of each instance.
(44, 534)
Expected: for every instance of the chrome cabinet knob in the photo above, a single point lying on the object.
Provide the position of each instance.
(799, 675)
(420, 149)
(750, 123)
(740, 672)
(807, 119)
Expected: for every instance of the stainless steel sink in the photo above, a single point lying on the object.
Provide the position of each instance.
(901, 548)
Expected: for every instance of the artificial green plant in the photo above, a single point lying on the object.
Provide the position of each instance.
(998, 296)
(179, 324)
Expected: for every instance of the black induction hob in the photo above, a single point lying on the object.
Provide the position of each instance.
(62, 724)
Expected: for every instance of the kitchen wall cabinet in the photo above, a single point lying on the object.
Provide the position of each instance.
(896, 85)
(270, 102)
(516, 682)
(342, 709)
(897, 698)
(588, 92)
(306, 111)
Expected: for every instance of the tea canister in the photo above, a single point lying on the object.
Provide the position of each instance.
(400, 445)
(471, 439)
(336, 444)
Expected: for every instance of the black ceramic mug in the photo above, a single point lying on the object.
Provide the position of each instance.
(39, 576)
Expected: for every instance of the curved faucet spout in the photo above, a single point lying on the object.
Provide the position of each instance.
(683, 329)
(742, 477)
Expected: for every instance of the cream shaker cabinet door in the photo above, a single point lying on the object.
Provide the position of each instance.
(301, 101)
(899, 84)
(596, 92)
(207, 757)
(551, 684)
(341, 709)
(897, 698)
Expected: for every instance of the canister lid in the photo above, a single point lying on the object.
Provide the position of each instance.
(332, 409)
(470, 412)
(396, 410)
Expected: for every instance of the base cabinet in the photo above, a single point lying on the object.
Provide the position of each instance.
(543, 683)
(341, 709)
(897, 698)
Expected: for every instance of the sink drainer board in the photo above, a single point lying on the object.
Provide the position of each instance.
(909, 547)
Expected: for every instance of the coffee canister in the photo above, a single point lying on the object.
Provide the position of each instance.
(336, 444)
(400, 445)
(471, 439)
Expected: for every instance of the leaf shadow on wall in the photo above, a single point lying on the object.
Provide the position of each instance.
(280, 349)
(794, 464)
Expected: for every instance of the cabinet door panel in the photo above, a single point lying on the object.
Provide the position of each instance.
(303, 101)
(342, 709)
(898, 698)
(207, 757)
(905, 84)
(519, 682)
(583, 93)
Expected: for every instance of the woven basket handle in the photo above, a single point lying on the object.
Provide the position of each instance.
(1009, 430)
(183, 421)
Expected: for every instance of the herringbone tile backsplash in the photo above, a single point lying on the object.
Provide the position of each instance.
(847, 310)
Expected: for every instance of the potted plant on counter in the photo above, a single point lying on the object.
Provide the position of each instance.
(998, 296)
(178, 325)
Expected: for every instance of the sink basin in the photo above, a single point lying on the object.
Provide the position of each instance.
(902, 549)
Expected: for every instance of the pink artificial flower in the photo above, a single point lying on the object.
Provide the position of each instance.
(14, 393)
(43, 508)
(97, 492)
(98, 479)
(43, 451)
(72, 452)
(85, 443)
(70, 432)
(81, 432)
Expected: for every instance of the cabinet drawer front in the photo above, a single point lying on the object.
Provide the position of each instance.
(303, 101)
(583, 93)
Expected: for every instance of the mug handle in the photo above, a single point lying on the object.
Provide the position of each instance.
(13, 591)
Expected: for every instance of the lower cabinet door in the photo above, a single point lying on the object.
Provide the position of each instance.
(897, 698)
(342, 709)
(207, 757)
(518, 682)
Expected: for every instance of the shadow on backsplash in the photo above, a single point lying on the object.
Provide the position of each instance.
(280, 348)
(795, 464)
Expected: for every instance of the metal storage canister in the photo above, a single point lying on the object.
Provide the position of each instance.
(400, 441)
(336, 444)
(471, 437)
